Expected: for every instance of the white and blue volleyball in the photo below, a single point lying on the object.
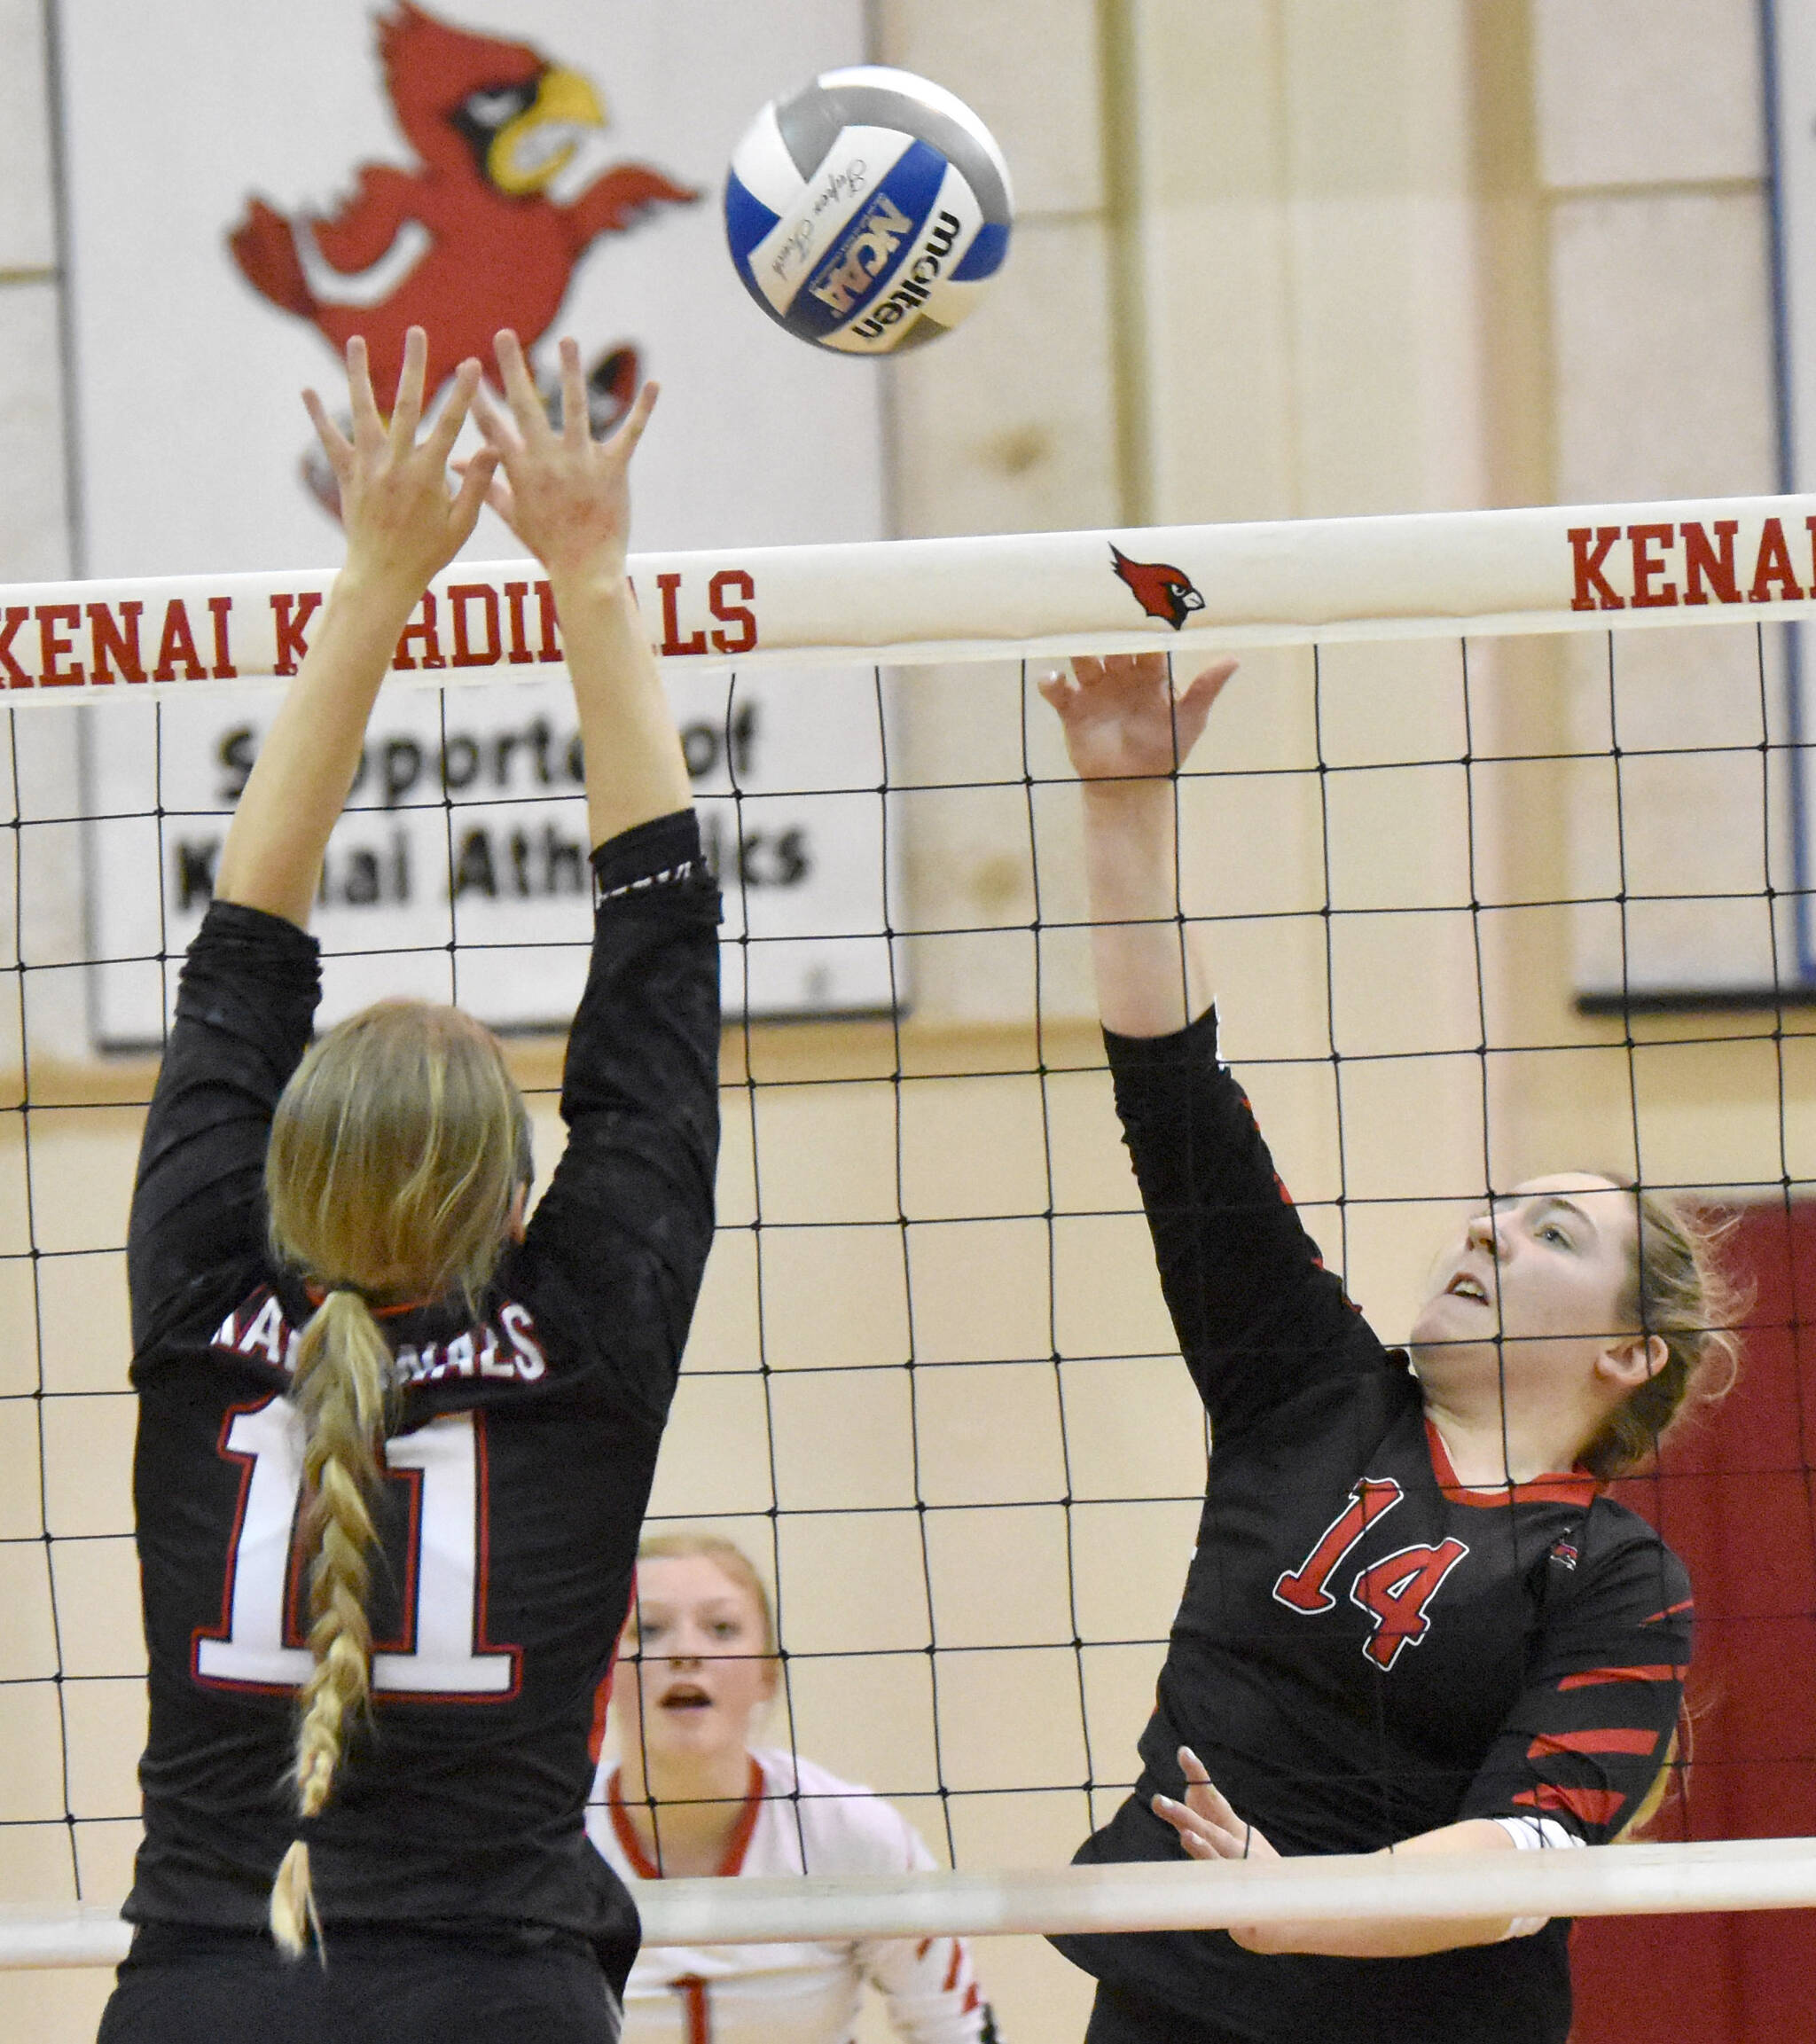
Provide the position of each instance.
(869, 212)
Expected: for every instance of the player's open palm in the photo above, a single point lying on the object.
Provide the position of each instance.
(403, 523)
(1208, 1829)
(1123, 718)
(565, 495)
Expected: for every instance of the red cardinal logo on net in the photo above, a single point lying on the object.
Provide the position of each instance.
(484, 231)
(1162, 590)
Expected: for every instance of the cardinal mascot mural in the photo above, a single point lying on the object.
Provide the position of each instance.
(475, 237)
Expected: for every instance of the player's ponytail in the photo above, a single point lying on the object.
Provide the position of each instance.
(396, 1152)
(342, 1374)
(1677, 1289)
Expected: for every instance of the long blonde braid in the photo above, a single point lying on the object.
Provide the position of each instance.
(395, 1154)
(342, 1372)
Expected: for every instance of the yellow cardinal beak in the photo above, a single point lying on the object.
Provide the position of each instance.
(528, 152)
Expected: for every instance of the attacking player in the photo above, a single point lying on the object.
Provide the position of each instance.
(692, 1796)
(1412, 1622)
(396, 1441)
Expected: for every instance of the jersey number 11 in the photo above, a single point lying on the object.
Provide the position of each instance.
(442, 1583)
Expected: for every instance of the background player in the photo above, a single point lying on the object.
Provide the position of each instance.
(692, 1796)
(337, 1308)
(1411, 1620)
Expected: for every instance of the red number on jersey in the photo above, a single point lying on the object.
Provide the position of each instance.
(1393, 1592)
(1306, 1589)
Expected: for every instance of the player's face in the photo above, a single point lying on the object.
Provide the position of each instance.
(696, 1668)
(1539, 1284)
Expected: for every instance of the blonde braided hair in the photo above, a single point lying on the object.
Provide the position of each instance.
(396, 1152)
(342, 1371)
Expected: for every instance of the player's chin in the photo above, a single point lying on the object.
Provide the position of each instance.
(1443, 1343)
(695, 1729)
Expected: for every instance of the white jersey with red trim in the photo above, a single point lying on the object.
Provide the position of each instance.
(797, 1819)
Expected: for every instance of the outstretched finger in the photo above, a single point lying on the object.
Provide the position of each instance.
(520, 387)
(368, 426)
(1214, 1809)
(500, 433)
(406, 413)
(335, 444)
(439, 443)
(576, 426)
(498, 490)
(1129, 667)
(1202, 1836)
(1207, 684)
(630, 428)
(1203, 1794)
(475, 492)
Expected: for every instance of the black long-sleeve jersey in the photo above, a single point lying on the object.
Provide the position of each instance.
(1364, 1650)
(519, 1459)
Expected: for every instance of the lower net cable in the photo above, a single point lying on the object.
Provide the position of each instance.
(1634, 1880)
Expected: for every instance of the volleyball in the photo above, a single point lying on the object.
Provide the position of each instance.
(868, 212)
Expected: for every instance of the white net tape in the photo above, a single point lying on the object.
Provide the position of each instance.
(1033, 596)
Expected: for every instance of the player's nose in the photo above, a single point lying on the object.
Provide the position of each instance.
(1485, 1232)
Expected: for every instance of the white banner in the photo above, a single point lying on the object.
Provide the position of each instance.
(482, 897)
(251, 181)
(555, 166)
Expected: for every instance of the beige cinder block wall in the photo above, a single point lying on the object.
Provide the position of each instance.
(1275, 257)
(1653, 216)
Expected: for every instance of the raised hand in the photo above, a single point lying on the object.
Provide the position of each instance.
(403, 523)
(1124, 720)
(1208, 1829)
(565, 495)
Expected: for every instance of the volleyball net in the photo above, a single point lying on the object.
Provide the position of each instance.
(1500, 839)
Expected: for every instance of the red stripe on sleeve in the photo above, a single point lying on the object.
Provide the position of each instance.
(1590, 1805)
(1605, 1740)
(923, 1948)
(951, 1978)
(970, 1999)
(1669, 1611)
(1590, 1678)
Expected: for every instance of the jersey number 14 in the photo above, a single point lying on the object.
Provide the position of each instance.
(1393, 1591)
(442, 1584)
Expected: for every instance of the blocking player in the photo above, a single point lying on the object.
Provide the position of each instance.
(693, 1795)
(1412, 1621)
(368, 1755)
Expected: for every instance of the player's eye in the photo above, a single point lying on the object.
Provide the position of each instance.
(1551, 1233)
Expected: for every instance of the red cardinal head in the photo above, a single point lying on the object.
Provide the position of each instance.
(1161, 590)
(477, 101)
